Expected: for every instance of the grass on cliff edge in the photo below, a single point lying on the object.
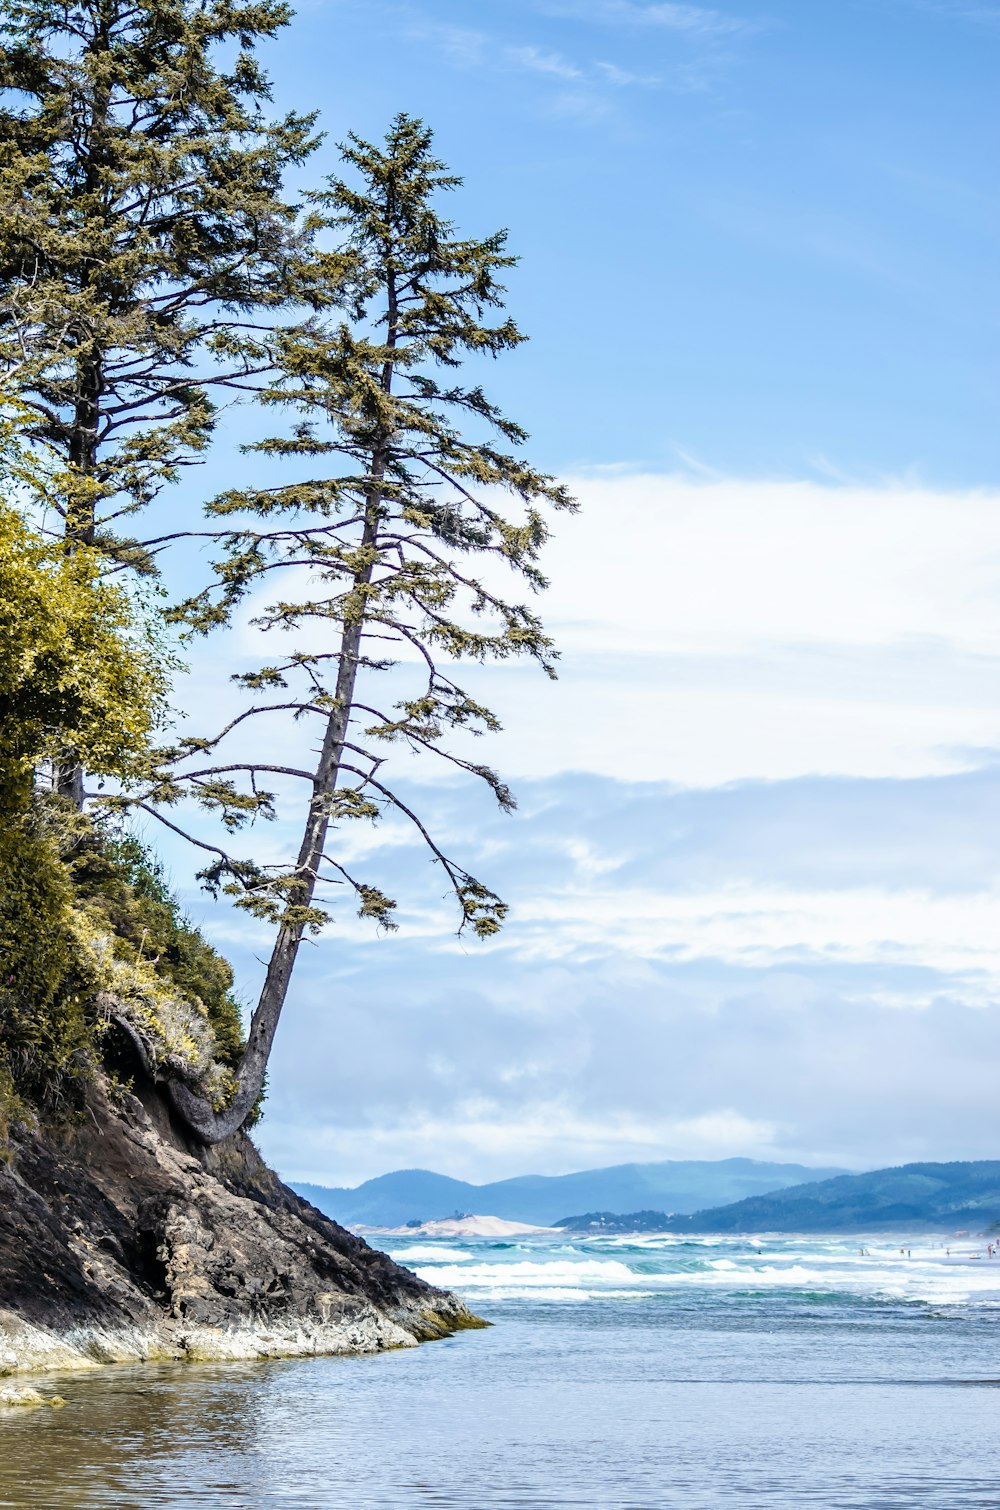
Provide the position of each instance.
(86, 914)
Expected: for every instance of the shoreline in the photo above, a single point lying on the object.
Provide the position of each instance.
(120, 1243)
(31, 1349)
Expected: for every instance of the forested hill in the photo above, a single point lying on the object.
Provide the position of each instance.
(941, 1196)
(413, 1195)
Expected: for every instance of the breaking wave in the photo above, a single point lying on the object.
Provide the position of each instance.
(612, 1269)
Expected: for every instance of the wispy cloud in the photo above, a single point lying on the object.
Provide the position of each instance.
(959, 10)
(767, 927)
(623, 79)
(461, 45)
(585, 106)
(689, 20)
(537, 61)
(584, 88)
(693, 19)
(683, 971)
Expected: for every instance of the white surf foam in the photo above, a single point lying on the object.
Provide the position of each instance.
(557, 1293)
(532, 1276)
(429, 1253)
(827, 1267)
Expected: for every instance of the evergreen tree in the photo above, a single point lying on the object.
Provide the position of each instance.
(82, 665)
(145, 247)
(375, 556)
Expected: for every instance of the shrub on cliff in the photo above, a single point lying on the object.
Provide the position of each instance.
(79, 664)
(47, 987)
(86, 919)
(92, 940)
(122, 887)
(75, 668)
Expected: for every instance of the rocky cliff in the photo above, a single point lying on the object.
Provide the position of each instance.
(121, 1243)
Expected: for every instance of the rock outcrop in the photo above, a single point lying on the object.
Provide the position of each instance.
(119, 1243)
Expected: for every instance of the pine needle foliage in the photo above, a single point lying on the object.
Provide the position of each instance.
(413, 504)
(145, 246)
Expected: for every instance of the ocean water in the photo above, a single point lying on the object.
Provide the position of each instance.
(631, 1373)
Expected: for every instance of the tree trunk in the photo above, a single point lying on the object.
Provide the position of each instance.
(80, 526)
(80, 522)
(197, 1111)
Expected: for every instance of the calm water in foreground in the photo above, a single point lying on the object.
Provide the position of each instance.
(620, 1372)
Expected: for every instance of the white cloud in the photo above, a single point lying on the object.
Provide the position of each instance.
(807, 968)
(818, 956)
(478, 1141)
(469, 49)
(714, 630)
(666, 564)
(765, 926)
(461, 45)
(692, 19)
(723, 629)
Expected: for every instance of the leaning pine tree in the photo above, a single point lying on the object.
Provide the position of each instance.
(392, 552)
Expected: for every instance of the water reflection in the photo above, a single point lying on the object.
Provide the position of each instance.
(769, 1402)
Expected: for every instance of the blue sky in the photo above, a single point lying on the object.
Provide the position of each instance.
(754, 872)
(762, 235)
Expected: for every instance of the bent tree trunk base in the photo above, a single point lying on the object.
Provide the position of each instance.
(196, 1111)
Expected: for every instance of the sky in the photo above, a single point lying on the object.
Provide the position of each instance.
(754, 870)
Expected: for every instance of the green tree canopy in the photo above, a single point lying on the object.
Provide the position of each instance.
(145, 246)
(80, 668)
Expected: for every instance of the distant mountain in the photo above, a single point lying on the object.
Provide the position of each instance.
(611, 1221)
(419, 1195)
(943, 1197)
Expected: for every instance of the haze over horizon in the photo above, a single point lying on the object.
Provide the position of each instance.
(753, 874)
(532, 1173)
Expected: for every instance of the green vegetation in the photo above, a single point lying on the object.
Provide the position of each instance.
(145, 243)
(48, 988)
(79, 666)
(151, 261)
(94, 945)
(89, 932)
(609, 1221)
(121, 885)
